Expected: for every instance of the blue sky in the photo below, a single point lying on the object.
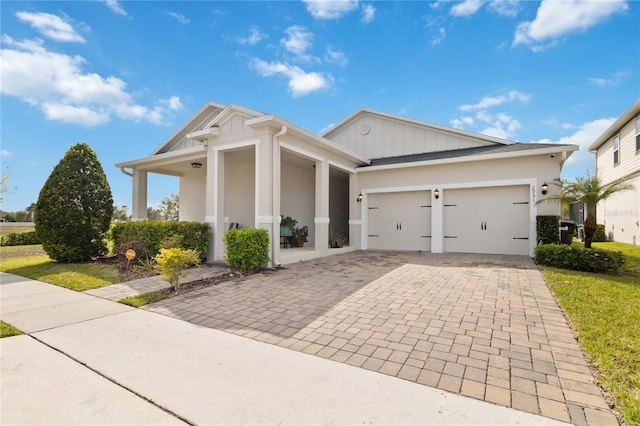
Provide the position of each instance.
(123, 76)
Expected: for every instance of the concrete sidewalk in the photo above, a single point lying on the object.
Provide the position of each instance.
(89, 360)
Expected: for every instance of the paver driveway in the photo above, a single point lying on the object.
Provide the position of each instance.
(485, 326)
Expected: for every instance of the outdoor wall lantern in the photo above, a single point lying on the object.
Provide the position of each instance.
(360, 197)
(196, 165)
(544, 188)
(436, 193)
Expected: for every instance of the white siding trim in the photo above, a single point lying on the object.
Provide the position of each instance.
(230, 146)
(321, 220)
(342, 167)
(300, 151)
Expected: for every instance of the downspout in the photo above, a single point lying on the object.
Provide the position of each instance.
(126, 172)
(276, 200)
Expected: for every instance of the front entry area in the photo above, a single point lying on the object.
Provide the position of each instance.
(492, 220)
(400, 221)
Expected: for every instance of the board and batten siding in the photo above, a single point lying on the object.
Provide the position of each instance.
(629, 159)
(373, 136)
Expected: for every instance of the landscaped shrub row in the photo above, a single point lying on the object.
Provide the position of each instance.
(600, 236)
(547, 229)
(578, 258)
(20, 239)
(247, 248)
(146, 237)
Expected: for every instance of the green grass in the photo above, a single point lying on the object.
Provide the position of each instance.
(7, 330)
(75, 276)
(143, 299)
(5, 230)
(20, 251)
(605, 313)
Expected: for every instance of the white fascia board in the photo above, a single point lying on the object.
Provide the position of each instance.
(229, 111)
(418, 123)
(466, 159)
(276, 121)
(626, 116)
(188, 123)
(166, 158)
(203, 135)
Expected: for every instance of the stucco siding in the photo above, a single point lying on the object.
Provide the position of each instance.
(239, 204)
(373, 136)
(621, 215)
(192, 199)
(297, 196)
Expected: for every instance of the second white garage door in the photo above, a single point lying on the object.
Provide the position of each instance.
(400, 221)
(487, 220)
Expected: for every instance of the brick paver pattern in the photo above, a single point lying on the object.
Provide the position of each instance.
(484, 326)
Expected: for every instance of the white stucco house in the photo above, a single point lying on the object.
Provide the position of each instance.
(617, 157)
(385, 181)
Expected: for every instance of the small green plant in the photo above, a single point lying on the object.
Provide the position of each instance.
(172, 263)
(299, 235)
(7, 330)
(20, 239)
(600, 236)
(289, 222)
(247, 248)
(336, 240)
(143, 299)
(547, 229)
(145, 264)
(578, 258)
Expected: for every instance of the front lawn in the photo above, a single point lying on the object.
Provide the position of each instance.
(605, 313)
(7, 330)
(27, 261)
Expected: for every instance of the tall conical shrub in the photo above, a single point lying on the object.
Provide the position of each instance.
(75, 207)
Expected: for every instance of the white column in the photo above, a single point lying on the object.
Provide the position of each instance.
(437, 221)
(139, 208)
(210, 200)
(355, 216)
(275, 189)
(218, 203)
(322, 207)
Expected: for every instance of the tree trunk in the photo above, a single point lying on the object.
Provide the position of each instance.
(590, 227)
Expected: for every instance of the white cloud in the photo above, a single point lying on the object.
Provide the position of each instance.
(491, 101)
(614, 80)
(51, 26)
(440, 35)
(466, 8)
(504, 126)
(5, 153)
(301, 83)
(584, 136)
(298, 41)
(178, 16)
(57, 84)
(368, 14)
(115, 7)
(556, 19)
(330, 9)
(336, 57)
(255, 37)
(508, 8)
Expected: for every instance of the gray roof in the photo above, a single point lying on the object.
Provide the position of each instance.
(467, 152)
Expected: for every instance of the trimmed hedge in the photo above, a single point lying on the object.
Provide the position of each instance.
(147, 237)
(247, 248)
(578, 258)
(20, 239)
(547, 229)
(600, 236)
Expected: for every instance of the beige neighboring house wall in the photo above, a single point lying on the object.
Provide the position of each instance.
(424, 187)
(621, 213)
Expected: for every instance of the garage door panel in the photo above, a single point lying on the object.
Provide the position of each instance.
(491, 220)
(400, 221)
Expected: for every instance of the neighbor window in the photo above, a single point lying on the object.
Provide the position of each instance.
(616, 149)
(637, 134)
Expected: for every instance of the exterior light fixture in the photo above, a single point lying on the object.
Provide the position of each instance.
(436, 193)
(544, 188)
(196, 165)
(360, 197)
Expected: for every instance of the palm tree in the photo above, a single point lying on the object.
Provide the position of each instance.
(588, 190)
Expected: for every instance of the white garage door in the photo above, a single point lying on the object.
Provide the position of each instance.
(400, 221)
(487, 220)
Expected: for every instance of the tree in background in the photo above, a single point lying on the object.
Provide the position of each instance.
(75, 207)
(120, 214)
(589, 190)
(153, 214)
(30, 210)
(5, 187)
(170, 207)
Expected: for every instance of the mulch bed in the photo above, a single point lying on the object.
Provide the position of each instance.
(232, 274)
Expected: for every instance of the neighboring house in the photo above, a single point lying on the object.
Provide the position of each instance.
(385, 181)
(618, 156)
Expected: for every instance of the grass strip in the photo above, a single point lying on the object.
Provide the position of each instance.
(143, 299)
(7, 330)
(74, 276)
(605, 313)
